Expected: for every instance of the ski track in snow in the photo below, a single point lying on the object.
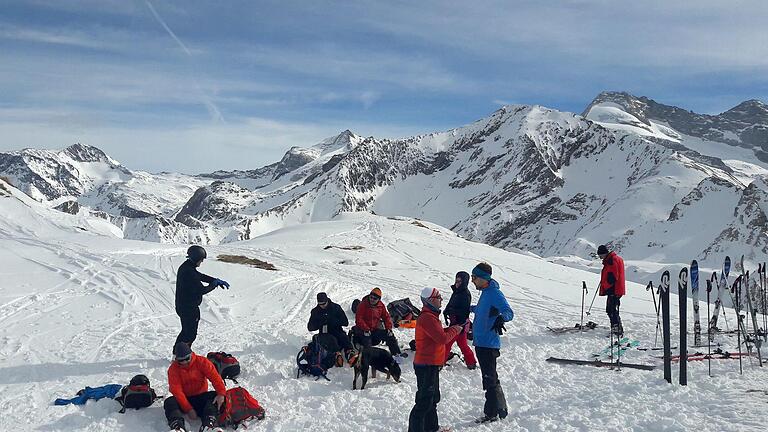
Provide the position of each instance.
(104, 311)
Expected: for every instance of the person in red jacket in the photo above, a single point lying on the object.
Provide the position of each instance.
(188, 378)
(373, 323)
(431, 339)
(612, 285)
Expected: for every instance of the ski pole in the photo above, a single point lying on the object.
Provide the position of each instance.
(649, 287)
(583, 294)
(593, 299)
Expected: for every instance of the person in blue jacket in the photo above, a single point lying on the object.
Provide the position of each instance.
(491, 312)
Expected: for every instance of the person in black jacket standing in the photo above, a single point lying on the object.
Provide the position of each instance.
(190, 291)
(456, 312)
(329, 319)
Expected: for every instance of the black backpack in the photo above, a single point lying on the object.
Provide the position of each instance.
(137, 394)
(402, 310)
(226, 364)
(314, 360)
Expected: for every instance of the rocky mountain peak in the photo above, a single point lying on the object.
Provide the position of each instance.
(752, 111)
(85, 153)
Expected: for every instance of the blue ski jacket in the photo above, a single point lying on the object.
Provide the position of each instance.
(490, 297)
(95, 393)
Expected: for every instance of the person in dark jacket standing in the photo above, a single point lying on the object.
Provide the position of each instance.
(329, 319)
(190, 291)
(612, 285)
(373, 323)
(491, 312)
(431, 339)
(457, 313)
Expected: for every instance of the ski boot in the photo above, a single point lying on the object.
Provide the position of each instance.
(177, 425)
(486, 419)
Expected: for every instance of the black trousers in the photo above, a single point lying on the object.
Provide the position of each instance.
(202, 404)
(495, 402)
(612, 304)
(342, 338)
(377, 336)
(190, 318)
(423, 416)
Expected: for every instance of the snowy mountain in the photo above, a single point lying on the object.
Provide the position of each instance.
(82, 308)
(658, 183)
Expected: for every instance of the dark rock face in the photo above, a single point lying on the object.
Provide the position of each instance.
(71, 207)
(212, 203)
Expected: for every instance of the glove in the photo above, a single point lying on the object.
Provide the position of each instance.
(221, 283)
(498, 325)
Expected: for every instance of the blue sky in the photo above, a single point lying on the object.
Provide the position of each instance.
(197, 86)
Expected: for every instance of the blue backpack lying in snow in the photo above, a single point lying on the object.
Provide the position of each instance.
(314, 360)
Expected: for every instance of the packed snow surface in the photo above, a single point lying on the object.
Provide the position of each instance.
(80, 307)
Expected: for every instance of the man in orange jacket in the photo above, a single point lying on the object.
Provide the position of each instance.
(188, 378)
(431, 339)
(612, 285)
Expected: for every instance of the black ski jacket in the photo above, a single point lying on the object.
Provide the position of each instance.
(189, 286)
(457, 309)
(333, 316)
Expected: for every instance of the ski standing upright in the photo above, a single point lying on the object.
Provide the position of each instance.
(718, 300)
(665, 316)
(710, 282)
(682, 291)
(695, 294)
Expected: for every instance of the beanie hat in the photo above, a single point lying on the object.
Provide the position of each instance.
(182, 351)
(376, 292)
(322, 297)
(430, 296)
(602, 250)
(482, 274)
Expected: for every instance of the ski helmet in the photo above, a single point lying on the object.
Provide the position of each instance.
(431, 297)
(196, 253)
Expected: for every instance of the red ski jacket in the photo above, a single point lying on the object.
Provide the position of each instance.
(431, 338)
(612, 276)
(192, 379)
(368, 317)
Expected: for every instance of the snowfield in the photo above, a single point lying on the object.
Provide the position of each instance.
(81, 307)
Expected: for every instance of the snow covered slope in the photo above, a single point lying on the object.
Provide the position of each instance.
(78, 309)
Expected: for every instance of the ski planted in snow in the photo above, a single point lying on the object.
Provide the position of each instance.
(719, 299)
(695, 295)
(682, 292)
(665, 318)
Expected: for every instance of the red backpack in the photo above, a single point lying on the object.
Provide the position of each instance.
(227, 365)
(239, 406)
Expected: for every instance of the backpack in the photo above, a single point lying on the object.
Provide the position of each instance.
(402, 310)
(238, 407)
(314, 360)
(137, 394)
(227, 365)
(355, 304)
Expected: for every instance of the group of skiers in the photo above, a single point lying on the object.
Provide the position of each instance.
(189, 374)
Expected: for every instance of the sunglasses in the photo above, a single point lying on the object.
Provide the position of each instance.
(375, 297)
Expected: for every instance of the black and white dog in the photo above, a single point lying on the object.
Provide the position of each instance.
(376, 359)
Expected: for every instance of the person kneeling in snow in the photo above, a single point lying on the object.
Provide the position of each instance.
(329, 319)
(431, 340)
(188, 378)
(373, 323)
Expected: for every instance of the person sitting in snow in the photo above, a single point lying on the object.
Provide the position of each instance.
(190, 291)
(188, 378)
(329, 320)
(373, 323)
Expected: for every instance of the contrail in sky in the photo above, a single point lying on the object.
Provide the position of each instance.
(213, 110)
